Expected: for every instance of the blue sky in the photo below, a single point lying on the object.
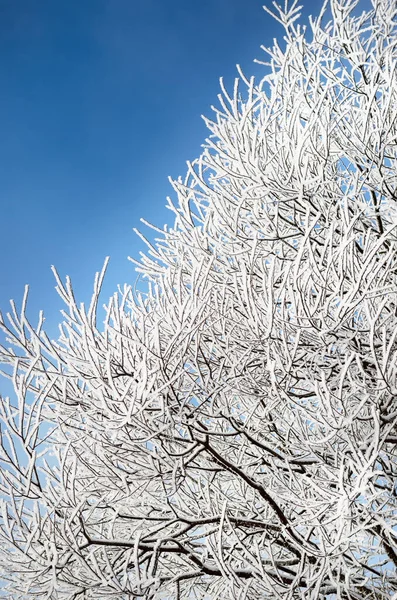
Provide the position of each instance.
(100, 101)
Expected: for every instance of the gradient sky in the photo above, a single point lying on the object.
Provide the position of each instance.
(100, 101)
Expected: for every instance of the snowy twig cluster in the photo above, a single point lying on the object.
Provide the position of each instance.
(231, 433)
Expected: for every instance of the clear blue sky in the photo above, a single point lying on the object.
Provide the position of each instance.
(100, 101)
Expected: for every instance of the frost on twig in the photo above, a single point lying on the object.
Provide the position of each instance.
(231, 433)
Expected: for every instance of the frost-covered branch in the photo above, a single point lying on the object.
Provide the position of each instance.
(232, 432)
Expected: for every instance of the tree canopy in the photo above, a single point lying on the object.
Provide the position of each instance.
(231, 433)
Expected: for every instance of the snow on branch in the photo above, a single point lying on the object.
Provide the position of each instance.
(232, 432)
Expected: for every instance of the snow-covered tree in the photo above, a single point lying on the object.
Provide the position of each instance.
(231, 433)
